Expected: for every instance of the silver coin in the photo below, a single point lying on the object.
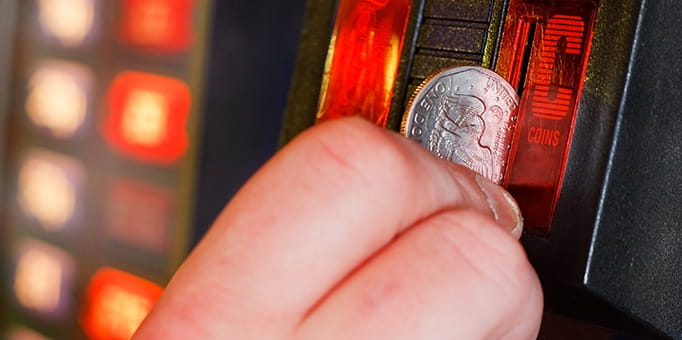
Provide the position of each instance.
(466, 115)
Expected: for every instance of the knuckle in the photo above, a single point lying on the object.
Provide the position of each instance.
(356, 146)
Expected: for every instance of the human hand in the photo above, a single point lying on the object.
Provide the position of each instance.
(354, 232)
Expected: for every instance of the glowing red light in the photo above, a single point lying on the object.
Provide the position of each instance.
(147, 117)
(363, 58)
(544, 53)
(157, 25)
(116, 304)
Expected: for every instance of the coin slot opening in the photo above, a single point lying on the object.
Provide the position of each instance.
(529, 43)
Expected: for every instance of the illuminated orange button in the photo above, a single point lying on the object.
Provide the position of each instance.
(147, 117)
(116, 304)
(157, 25)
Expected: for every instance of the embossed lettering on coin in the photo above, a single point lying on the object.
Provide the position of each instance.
(466, 115)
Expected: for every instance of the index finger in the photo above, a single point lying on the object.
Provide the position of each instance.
(317, 210)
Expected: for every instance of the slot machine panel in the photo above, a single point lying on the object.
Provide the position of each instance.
(124, 131)
(602, 236)
(102, 114)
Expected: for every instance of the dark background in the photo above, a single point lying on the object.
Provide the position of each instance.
(252, 58)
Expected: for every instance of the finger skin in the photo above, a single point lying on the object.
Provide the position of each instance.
(455, 275)
(316, 211)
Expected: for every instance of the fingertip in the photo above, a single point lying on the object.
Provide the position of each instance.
(503, 206)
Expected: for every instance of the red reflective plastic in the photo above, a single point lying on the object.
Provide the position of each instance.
(544, 54)
(363, 59)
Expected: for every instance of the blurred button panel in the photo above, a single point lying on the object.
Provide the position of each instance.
(100, 145)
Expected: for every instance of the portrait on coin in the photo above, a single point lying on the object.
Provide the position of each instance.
(458, 131)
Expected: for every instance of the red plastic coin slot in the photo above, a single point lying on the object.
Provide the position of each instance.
(116, 304)
(157, 25)
(147, 117)
(363, 58)
(544, 54)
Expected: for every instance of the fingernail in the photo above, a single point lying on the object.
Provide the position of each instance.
(505, 210)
